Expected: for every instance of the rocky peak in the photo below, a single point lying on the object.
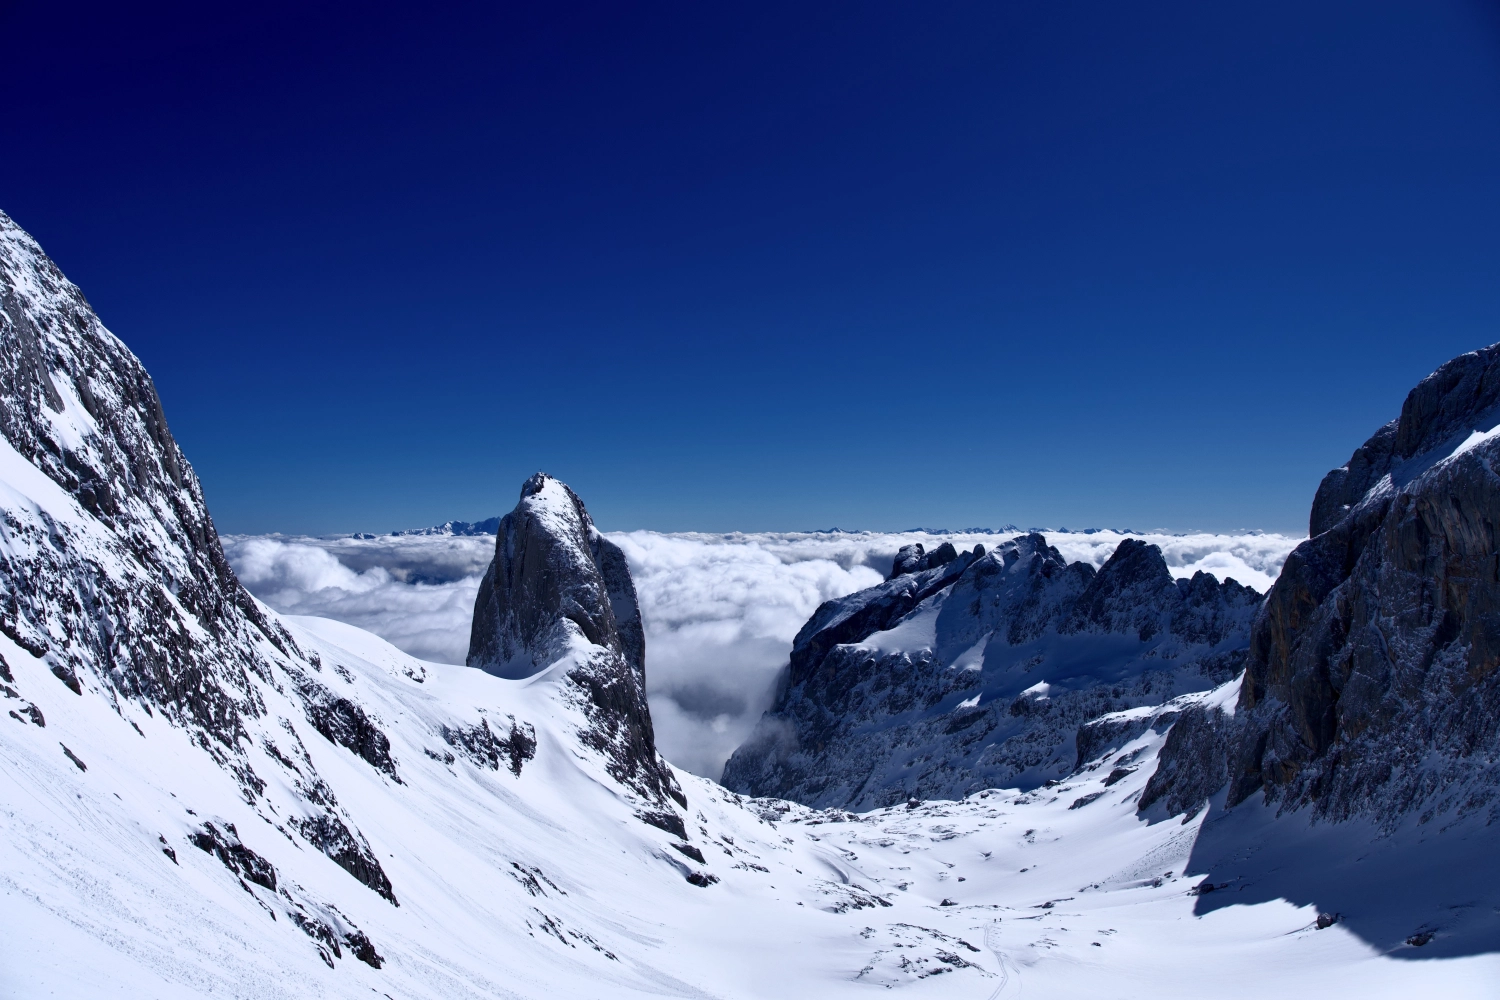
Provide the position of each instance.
(1020, 583)
(78, 405)
(547, 589)
(558, 590)
(1445, 408)
(1372, 683)
(856, 616)
(914, 558)
(978, 672)
(1128, 594)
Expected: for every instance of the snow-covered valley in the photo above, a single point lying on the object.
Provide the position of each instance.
(545, 884)
(1237, 793)
(720, 610)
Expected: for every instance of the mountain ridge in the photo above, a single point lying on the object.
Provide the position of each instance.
(976, 672)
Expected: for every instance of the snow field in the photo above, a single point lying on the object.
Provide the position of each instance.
(797, 911)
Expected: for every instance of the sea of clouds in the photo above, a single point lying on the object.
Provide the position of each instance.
(720, 610)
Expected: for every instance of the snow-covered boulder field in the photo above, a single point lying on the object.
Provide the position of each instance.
(202, 798)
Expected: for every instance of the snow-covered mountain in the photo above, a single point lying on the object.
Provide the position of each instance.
(720, 611)
(200, 797)
(558, 598)
(460, 529)
(974, 670)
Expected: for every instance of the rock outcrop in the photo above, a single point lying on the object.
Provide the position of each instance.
(914, 558)
(975, 669)
(116, 580)
(1372, 685)
(559, 592)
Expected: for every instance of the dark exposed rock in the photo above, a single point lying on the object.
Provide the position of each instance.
(914, 558)
(1192, 762)
(362, 949)
(65, 673)
(546, 586)
(60, 367)
(978, 673)
(909, 559)
(23, 637)
(688, 850)
(559, 590)
(1096, 736)
(331, 929)
(860, 615)
(342, 722)
(1372, 681)
(703, 879)
(73, 757)
(223, 842)
(665, 820)
(329, 835)
(1371, 684)
(481, 745)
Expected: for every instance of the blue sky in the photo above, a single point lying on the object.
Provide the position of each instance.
(770, 266)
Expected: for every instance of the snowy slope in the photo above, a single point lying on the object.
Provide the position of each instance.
(544, 884)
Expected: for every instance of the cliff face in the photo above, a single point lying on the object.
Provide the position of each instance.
(975, 670)
(159, 617)
(557, 590)
(113, 580)
(1372, 681)
(114, 591)
(1371, 686)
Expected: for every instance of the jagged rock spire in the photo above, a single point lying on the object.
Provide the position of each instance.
(559, 590)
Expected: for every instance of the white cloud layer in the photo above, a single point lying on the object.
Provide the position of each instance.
(417, 593)
(720, 610)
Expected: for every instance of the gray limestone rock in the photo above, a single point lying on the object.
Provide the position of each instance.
(1193, 761)
(136, 580)
(1371, 685)
(557, 590)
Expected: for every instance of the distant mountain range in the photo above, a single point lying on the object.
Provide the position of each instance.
(490, 526)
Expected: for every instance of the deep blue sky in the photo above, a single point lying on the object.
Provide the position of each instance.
(1155, 264)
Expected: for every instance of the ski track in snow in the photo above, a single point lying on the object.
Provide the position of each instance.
(720, 610)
